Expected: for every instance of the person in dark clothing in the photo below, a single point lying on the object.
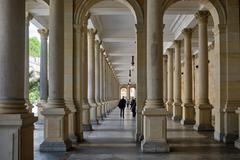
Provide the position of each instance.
(122, 105)
(133, 107)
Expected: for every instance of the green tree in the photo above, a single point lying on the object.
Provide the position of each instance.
(34, 47)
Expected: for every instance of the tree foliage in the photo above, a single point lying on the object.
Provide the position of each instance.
(34, 47)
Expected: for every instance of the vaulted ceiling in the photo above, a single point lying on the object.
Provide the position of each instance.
(116, 28)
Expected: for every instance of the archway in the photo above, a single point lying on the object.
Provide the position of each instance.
(123, 92)
(81, 13)
(218, 13)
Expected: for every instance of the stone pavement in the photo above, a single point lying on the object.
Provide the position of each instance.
(113, 139)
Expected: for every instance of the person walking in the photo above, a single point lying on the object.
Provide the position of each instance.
(122, 105)
(133, 107)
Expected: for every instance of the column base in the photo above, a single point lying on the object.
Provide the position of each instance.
(80, 137)
(230, 138)
(218, 136)
(237, 143)
(203, 127)
(73, 138)
(16, 138)
(72, 126)
(177, 118)
(231, 123)
(177, 111)
(138, 137)
(62, 146)
(154, 147)
(188, 114)
(155, 130)
(187, 122)
(105, 115)
(169, 106)
(203, 117)
(87, 127)
(55, 130)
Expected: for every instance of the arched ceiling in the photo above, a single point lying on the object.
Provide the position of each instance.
(116, 28)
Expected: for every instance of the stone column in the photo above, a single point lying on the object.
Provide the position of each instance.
(56, 113)
(101, 82)
(237, 142)
(165, 81)
(85, 106)
(141, 80)
(91, 76)
(188, 106)
(170, 81)
(43, 71)
(26, 77)
(16, 123)
(155, 123)
(97, 78)
(203, 108)
(107, 86)
(76, 119)
(177, 108)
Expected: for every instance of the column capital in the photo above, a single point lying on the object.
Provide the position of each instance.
(187, 32)
(202, 17)
(43, 33)
(29, 17)
(170, 51)
(165, 57)
(177, 43)
(98, 42)
(92, 31)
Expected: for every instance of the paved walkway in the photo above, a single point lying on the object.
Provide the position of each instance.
(113, 139)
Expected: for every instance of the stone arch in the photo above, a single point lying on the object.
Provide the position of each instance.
(214, 6)
(219, 15)
(82, 8)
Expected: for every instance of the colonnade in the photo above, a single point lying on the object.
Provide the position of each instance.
(201, 114)
(96, 92)
(60, 125)
(96, 88)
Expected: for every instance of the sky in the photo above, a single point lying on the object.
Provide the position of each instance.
(33, 31)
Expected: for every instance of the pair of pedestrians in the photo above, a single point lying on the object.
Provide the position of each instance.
(122, 105)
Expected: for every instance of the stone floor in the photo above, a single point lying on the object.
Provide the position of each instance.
(113, 139)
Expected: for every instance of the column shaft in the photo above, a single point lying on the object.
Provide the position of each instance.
(155, 131)
(43, 71)
(85, 106)
(91, 76)
(165, 81)
(170, 81)
(97, 78)
(16, 123)
(101, 83)
(177, 108)
(203, 108)
(188, 106)
(56, 129)
(43, 65)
